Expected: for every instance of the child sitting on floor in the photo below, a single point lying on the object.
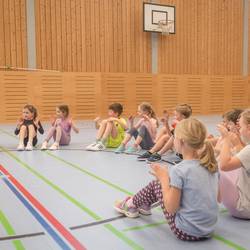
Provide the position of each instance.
(111, 131)
(144, 131)
(60, 130)
(235, 170)
(27, 128)
(187, 192)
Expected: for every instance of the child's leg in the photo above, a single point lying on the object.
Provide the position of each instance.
(101, 130)
(58, 134)
(50, 134)
(167, 146)
(22, 134)
(65, 138)
(110, 130)
(162, 132)
(160, 144)
(228, 191)
(31, 134)
(144, 139)
(131, 132)
(151, 194)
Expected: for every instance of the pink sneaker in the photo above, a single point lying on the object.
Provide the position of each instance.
(123, 208)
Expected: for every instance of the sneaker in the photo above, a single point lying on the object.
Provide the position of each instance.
(20, 147)
(144, 156)
(131, 150)
(154, 157)
(44, 145)
(120, 149)
(91, 146)
(54, 146)
(122, 207)
(145, 210)
(29, 147)
(98, 147)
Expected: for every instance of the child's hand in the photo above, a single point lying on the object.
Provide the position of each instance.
(145, 117)
(97, 119)
(223, 130)
(19, 122)
(131, 118)
(159, 172)
(36, 121)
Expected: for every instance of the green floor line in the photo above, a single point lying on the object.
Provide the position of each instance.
(119, 234)
(215, 236)
(10, 231)
(145, 226)
(75, 166)
(228, 242)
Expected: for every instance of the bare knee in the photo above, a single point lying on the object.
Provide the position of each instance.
(165, 138)
(23, 128)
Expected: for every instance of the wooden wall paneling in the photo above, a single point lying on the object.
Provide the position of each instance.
(2, 99)
(19, 34)
(38, 34)
(24, 53)
(59, 35)
(87, 95)
(13, 38)
(92, 36)
(169, 89)
(239, 90)
(227, 93)
(7, 40)
(97, 35)
(73, 35)
(16, 95)
(130, 107)
(48, 40)
(51, 93)
(216, 94)
(144, 89)
(2, 44)
(54, 41)
(194, 93)
(113, 90)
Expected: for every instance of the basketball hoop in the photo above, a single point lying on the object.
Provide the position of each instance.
(165, 26)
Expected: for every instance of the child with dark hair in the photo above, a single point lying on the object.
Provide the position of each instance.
(111, 131)
(27, 128)
(61, 128)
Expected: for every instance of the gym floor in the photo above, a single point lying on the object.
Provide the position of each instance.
(64, 200)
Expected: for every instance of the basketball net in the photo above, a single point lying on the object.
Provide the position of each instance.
(165, 26)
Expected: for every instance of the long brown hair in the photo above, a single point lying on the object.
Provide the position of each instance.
(32, 110)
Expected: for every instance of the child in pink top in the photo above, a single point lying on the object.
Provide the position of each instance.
(60, 130)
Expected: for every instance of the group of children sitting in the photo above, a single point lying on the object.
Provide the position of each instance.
(212, 169)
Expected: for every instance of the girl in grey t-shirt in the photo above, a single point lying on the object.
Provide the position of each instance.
(186, 192)
(235, 171)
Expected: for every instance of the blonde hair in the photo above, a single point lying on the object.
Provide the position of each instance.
(246, 116)
(184, 109)
(194, 133)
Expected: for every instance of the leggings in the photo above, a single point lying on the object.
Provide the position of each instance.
(147, 142)
(151, 194)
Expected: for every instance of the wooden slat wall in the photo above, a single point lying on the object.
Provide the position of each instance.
(208, 38)
(92, 36)
(13, 33)
(89, 94)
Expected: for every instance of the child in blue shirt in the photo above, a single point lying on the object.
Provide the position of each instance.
(187, 192)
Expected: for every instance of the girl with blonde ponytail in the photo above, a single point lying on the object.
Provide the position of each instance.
(187, 192)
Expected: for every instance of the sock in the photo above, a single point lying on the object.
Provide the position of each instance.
(130, 202)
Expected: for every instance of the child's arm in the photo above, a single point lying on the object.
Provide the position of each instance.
(122, 122)
(76, 130)
(171, 195)
(226, 161)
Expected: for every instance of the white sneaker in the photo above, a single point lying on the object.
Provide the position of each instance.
(99, 146)
(20, 147)
(44, 145)
(54, 146)
(29, 147)
(91, 146)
